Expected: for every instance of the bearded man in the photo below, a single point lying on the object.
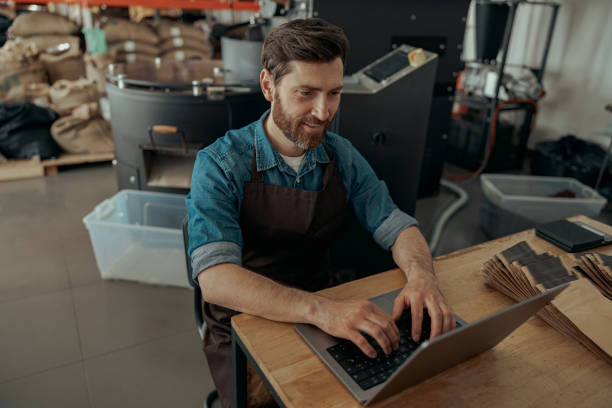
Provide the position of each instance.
(268, 200)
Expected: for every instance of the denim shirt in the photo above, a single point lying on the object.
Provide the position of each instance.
(222, 168)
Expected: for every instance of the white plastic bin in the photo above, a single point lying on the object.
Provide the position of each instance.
(513, 203)
(137, 235)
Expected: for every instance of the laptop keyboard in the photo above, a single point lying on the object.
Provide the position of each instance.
(368, 372)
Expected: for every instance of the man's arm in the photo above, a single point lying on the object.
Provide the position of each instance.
(411, 254)
(237, 288)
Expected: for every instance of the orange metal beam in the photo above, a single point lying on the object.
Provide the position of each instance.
(161, 4)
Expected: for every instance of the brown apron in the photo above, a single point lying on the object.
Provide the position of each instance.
(286, 232)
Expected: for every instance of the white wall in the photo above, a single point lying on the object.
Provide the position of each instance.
(578, 77)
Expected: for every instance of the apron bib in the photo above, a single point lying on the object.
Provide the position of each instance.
(286, 233)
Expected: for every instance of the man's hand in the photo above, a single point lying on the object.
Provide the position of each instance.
(348, 319)
(421, 292)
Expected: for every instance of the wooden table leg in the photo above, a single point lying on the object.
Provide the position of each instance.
(239, 372)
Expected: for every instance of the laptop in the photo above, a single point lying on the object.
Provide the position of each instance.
(373, 380)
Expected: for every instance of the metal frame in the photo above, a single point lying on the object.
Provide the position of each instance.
(240, 355)
(508, 34)
(489, 104)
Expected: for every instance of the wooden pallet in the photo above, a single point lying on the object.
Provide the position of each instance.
(23, 169)
(67, 159)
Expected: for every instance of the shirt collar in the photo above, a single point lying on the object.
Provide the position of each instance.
(268, 157)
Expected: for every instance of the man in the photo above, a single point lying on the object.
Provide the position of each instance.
(267, 201)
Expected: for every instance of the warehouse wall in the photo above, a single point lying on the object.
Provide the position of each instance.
(578, 78)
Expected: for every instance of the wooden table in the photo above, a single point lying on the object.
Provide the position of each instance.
(534, 366)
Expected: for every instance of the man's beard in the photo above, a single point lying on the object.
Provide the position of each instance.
(293, 128)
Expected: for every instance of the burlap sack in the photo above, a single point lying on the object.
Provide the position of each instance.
(67, 65)
(13, 81)
(134, 57)
(7, 12)
(83, 134)
(95, 69)
(39, 22)
(117, 30)
(42, 42)
(184, 54)
(185, 42)
(67, 95)
(131, 47)
(16, 54)
(168, 29)
(38, 94)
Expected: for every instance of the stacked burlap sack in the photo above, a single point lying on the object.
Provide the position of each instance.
(131, 42)
(83, 131)
(66, 95)
(95, 69)
(45, 31)
(179, 41)
(19, 67)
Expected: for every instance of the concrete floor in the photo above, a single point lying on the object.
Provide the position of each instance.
(70, 339)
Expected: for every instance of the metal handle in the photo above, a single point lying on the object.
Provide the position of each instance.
(164, 129)
(167, 130)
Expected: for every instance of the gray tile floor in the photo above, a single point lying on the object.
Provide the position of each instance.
(70, 339)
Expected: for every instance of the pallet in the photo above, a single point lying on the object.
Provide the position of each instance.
(24, 169)
(21, 169)
(68, 159)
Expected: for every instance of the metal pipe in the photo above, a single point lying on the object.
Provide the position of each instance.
(507, 35)
(551, 28)
(542, 3)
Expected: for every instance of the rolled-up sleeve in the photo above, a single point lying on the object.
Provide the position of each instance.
(214, 253)
(212, 206)
(386, 234)
(373, 205)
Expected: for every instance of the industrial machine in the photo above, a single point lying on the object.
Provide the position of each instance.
(384, 113)
(162, 113)
(374, 28)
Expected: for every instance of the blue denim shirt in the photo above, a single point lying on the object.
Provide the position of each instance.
(222, 168)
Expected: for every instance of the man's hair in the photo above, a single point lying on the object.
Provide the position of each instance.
(309, 40)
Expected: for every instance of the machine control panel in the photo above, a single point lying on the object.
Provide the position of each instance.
(386, 70)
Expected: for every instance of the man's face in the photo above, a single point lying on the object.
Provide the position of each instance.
(306, 99)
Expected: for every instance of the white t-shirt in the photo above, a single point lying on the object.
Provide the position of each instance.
(294, 162)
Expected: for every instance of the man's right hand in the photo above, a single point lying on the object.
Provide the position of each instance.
(348, 319)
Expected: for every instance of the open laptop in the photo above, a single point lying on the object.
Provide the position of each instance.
(372, 380)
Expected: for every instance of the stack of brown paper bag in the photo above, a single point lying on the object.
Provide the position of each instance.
(598, 267)
(583, 311)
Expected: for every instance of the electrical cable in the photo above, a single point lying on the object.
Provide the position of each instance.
(448, 213)
(491, 143)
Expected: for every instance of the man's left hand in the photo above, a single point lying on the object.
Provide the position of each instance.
(421, 291)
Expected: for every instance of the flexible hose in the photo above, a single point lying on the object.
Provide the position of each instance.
(448, 213)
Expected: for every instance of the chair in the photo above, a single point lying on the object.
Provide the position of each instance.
(197, 292)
